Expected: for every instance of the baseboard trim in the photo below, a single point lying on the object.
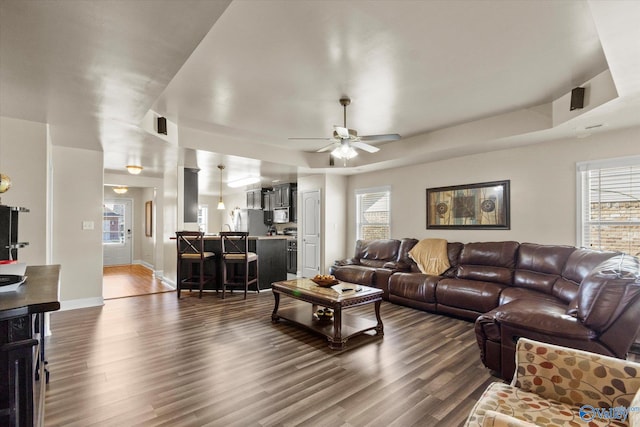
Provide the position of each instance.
(143, 263)
(81, 303)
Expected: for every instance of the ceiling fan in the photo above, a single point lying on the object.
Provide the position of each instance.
(346, 140)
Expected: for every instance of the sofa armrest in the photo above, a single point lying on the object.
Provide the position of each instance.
(497, 419)
(544, 319)
(575, 377)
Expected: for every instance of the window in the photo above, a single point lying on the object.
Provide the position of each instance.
(203, 217)
(609, 205)
(113, 223)
(373, 206)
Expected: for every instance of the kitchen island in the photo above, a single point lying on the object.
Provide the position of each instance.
(272, 257)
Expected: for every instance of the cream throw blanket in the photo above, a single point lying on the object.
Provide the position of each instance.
(431, 256)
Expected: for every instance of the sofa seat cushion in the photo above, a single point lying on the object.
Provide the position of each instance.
(514, 293)
(528, 407)
(356, 274)
(415, 286)
(542, 318)
(472, 295)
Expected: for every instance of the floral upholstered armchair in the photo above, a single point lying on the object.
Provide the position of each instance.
(559, 386)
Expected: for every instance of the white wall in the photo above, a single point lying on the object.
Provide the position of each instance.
(335, 225)
(167, 198)
(23, 157)
(543, 188)
(77, 196)
(217, 218)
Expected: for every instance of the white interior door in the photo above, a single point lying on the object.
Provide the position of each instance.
(310, 233)
(117, 231)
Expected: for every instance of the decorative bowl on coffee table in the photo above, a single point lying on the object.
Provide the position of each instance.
(325, 283)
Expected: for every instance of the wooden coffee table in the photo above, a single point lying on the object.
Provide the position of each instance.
(338, 298)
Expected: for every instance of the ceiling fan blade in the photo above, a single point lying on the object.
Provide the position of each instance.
(385, 137)
(326, 148)
(366, 147)
(342, 132)
(315, 139)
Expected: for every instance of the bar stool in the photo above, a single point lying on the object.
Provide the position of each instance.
(239, 266)
(191, 252)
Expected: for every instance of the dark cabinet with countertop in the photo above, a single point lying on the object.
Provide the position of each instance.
(272, 258)
(23, 373)
(292, 256)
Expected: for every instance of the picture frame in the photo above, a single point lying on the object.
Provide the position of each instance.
(148, 219)
(483, 206)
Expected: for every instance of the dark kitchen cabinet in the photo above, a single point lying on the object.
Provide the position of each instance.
(283, 195)
(292, 256)
(190, 195)
(254, 198)
(268, 200)
(294, 205)
(268, 203)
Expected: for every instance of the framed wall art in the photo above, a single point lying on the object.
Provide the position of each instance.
(148, 218)
(474, 206)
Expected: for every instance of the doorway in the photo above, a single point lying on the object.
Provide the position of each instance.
(310, 233)
(117, 231)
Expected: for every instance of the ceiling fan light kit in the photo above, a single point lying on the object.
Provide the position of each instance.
(347, 140)
(344, 151)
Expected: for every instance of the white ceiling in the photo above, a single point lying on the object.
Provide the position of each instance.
(237, 79)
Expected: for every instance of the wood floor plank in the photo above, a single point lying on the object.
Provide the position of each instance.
(158, 361)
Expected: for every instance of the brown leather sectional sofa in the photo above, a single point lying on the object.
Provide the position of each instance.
(562, 295)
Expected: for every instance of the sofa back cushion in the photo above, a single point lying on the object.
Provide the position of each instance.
(579, 264)
(488, 261)
(538, 267)
(582, 261)
(607, 292)
(375, 253)
(406, 244)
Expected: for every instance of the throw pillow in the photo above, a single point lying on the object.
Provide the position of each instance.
(431, 256)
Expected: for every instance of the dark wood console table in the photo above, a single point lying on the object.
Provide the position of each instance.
(23, 371)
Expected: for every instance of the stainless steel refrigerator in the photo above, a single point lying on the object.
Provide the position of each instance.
(252, 221)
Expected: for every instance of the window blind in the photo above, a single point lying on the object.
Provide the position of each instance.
(373, 213)
(610, 208)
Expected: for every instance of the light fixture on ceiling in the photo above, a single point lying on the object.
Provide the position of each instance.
(344, 151)
(134, 169)
(247, 180)
(220, 202)
(121, 189)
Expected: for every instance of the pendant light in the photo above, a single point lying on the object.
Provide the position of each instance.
(220, 202)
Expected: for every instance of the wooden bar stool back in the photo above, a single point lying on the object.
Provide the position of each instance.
(191, 253)
(239, 266)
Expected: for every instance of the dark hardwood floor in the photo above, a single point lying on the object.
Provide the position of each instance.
(153, 361)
